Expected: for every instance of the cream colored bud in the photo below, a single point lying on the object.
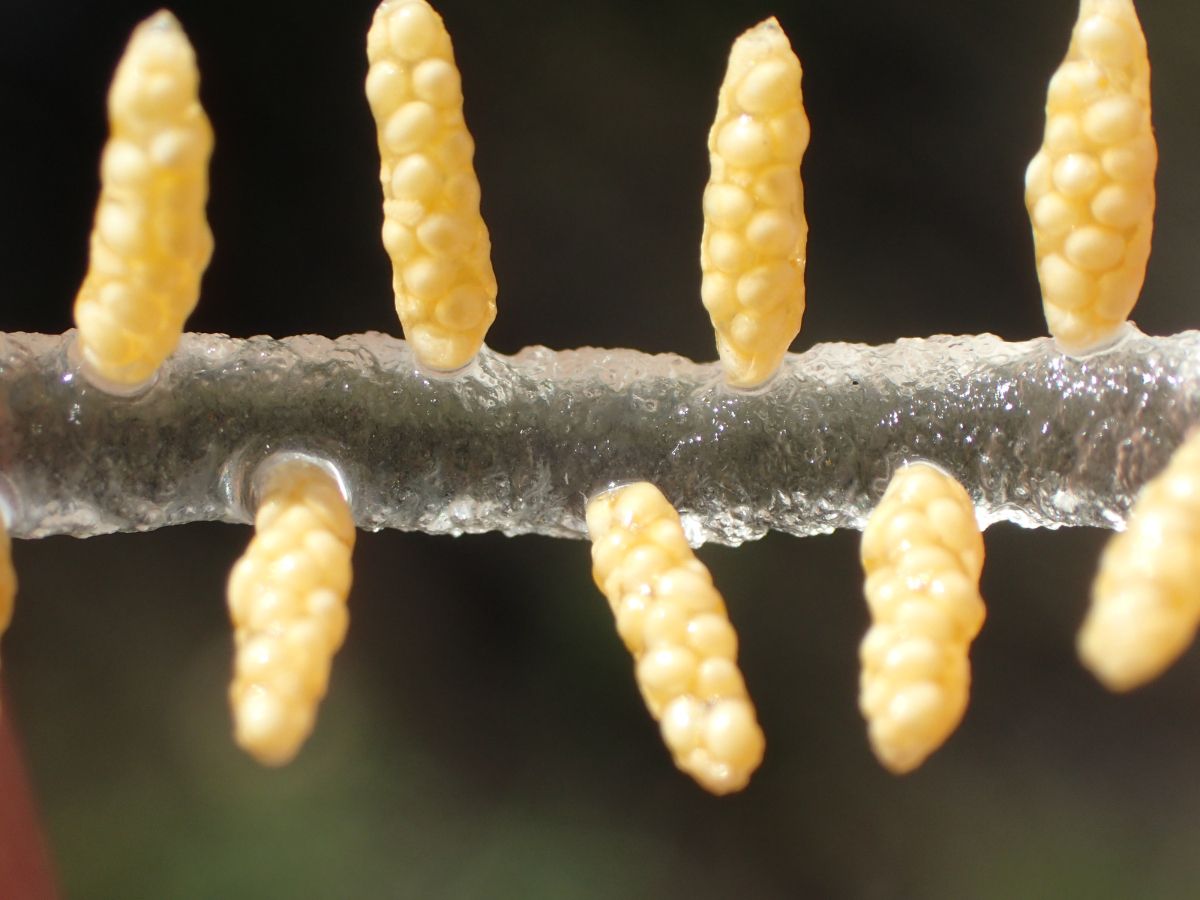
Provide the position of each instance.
(675, 625)
(922, 553)
(151, 242)
(1090, 188)
(756, 240)
(1146, 598)
(429, 186)
(287, 600)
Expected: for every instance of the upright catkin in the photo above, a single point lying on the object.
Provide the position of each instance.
(752, 252)
(1090, 188)
(433, 232)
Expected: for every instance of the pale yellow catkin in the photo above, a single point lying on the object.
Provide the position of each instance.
(8, 579)
(675, 624)
(433, 232)
(151, 242)
(922, 553)
(1090, 188)
(752, 252)
(287, 600)
(1146, 598)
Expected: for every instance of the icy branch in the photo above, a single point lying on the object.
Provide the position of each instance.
(517, 443)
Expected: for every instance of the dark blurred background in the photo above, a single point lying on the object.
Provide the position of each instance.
(483, 736)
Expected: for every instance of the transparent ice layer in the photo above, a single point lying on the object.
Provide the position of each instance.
(516, 444)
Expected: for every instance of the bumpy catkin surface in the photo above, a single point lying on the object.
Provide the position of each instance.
(1090, 188)
(923, 554)
(8, 579)
(1146, 598)
(438, 243)
(675, 624)
(752, 253)
(151, 242)
(287, 600)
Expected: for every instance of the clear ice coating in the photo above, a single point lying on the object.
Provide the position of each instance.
(517, 444)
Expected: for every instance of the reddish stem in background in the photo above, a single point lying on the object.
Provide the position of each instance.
(25, 869)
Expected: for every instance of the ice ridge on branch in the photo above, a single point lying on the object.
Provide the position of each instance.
(517, 444)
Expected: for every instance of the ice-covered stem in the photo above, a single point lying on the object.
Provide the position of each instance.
(518, 443)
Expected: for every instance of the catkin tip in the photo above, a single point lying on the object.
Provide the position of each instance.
(163, 20)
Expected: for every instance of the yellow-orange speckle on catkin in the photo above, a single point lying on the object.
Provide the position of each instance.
(922, 553)
(1090, 188)
(675, 624)
(1146, 597)
(752, 253)
(8, 579)
(151, 242)
(432, 228)
(287, 600)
